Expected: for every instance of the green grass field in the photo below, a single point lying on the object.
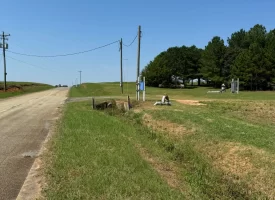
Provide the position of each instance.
(222, 149)
(26, 87)
(200, 93)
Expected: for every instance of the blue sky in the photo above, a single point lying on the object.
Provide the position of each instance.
(49, 27)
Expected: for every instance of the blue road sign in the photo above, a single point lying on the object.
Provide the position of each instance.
(141, 86)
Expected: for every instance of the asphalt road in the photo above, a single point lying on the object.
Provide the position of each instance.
(24, 125)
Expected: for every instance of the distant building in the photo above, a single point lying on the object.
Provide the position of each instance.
(196, 80)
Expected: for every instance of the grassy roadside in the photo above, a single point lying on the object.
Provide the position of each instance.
(221, 150)
(25, 88)
(95, 159)
(98, 156)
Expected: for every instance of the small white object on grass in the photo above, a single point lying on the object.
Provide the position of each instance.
(162, 103)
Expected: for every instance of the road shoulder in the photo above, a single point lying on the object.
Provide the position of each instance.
(35, 181)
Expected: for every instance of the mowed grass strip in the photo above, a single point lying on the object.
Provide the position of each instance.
(26, 87)
(235, 153)
(199, 93)
(214, 124)
(201, 178)
(92, 157)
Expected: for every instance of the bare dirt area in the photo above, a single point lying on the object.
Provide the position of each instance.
(12, 89)
(262, 112)
(25, 122)
(145, 106)
(84, 85)
(167, 171)
(243, 162)
(257, 111)
(191, 102)
(173, 129)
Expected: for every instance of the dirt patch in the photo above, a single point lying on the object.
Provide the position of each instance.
(167, 171)
(258, 112)
(173, 129)
(84, 85)
(145, 106)
(11, 89)
(231, 161)
(191, 102)
(253, 165)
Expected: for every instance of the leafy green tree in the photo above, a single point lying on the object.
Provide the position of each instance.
(270, 55)
(237, 43)
(180, 62)
(212, 61)
(249, 56)
(238, 40)
(251, 64)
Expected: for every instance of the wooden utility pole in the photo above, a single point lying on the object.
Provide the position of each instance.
(4, 58)
(121, 69)
(138, 62)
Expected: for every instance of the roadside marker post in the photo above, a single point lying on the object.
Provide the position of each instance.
(142, 87)
(235, 86)
(93, 103)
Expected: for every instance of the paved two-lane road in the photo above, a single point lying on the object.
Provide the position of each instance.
(24, 125)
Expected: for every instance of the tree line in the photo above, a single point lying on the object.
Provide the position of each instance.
(248, 55)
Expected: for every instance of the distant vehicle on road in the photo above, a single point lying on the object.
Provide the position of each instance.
(61, 85)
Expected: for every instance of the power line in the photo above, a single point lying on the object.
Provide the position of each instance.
(30, 64)
(128, 45)
(62, 55)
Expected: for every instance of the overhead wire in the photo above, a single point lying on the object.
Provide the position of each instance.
(128, 45)
(62, 55)
(21, 61)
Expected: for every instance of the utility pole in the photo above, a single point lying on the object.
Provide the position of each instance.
(138, 62)
(80, 77)
(4, 58)
(121, 70)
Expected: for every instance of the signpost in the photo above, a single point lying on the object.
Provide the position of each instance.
(142, 87)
